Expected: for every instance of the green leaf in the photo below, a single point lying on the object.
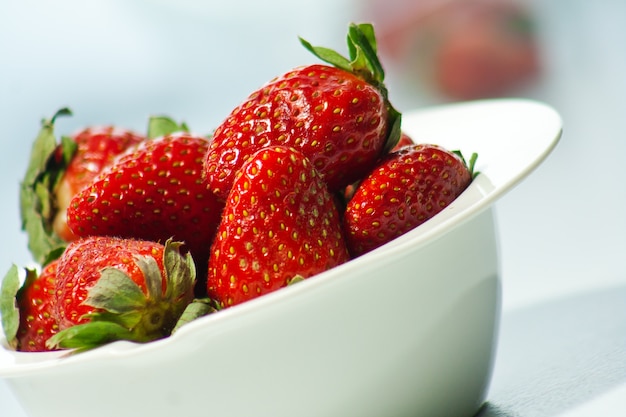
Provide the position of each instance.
(328, 55)
(54, 253)
(64, 111)
(152, 276)
(196, 309)
(90, 335)
(68, 149)
(472, 163)
(395, 120)
(128, 320)
(43, 244)
(115, 292)
(9, 311)
(42, 148)
(295, 279)
(181, 271)
(366, 61)
(44, 196)
(44, 170)
(163, 125)
(367, 29)
(191, 280)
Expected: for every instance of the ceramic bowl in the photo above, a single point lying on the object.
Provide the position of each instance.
(409, 329)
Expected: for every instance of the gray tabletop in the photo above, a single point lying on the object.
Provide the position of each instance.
(557, 356)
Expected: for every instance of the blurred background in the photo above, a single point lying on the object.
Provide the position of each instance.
(120, 61)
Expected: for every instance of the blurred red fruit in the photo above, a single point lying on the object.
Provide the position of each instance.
(463, 49)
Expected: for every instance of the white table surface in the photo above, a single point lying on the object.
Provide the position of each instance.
(562, 347)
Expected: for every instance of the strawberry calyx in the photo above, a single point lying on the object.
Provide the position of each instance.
(363, 62)
(295, 279)
(472, 162)
(363, 59)
(124, 312)
(48, 161)
(199, 307)
(160, 125)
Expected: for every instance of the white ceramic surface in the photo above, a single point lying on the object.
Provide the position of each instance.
(409, 329)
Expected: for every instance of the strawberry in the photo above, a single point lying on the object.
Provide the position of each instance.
(29, 310)
(36, 301)
(405, 140)
(348, 192)
(96, 148)
(337, 116)
(408, 187)
(111, 288)
(280, 222)
(56, 172)
(153, 193)
(462, 50)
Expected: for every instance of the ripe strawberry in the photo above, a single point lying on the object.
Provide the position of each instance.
(408, 187)
(57, 171)
(36, 301)
(491, 51)
(120, 289)
(27, 312)
(462, 50)
(348, 192)
(153, 193)
(96, 148)
(280, 222)
(337, 116)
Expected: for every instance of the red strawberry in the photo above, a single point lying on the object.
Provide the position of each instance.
(153, 193)
(462, 50)
(407, 188)
(280, 222)
(36, 301)
(96, 148)
(337, 116)
(348, 192)
(27, 312)
(56, 171)
(120, 289)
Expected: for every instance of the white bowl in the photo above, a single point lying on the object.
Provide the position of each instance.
(407, 330)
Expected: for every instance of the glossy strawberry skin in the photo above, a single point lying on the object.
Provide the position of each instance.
(336, 119)
(408, 187)
(154, 193)
(96, 148)
(80, 266)
(279, 222)
(36, 302)
(348, 192)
